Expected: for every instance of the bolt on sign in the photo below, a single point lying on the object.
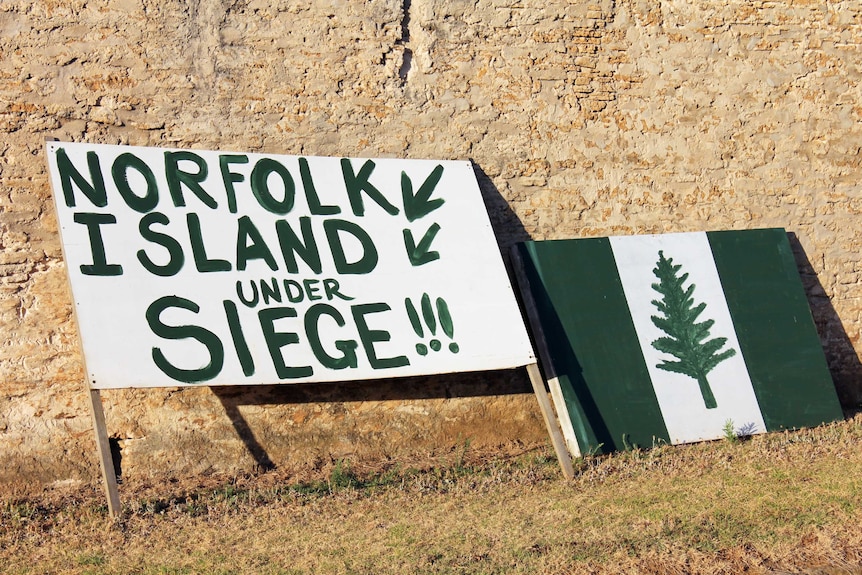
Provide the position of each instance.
(215, 268)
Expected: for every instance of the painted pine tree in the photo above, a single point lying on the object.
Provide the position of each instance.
(686, 339)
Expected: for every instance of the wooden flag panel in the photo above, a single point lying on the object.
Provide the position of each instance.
(671, 338)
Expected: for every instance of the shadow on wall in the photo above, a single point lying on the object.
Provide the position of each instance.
(844, 364)
(508, 229)
(446, 386)
(507, 226)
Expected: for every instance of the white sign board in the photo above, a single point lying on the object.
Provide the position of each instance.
(202, 267)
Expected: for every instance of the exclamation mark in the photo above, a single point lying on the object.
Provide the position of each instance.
(421, 348)
(446, 323)
(428, 314)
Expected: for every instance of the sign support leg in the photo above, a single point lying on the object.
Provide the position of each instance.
(109, 477)
(550, 420)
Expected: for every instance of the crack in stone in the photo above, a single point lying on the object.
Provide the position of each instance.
(404, 40)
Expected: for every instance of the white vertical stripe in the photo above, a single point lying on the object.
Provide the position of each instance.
(679, 397)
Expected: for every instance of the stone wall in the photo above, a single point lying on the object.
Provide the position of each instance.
(582, 118)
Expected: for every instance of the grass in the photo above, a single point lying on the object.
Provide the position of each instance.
(778, 503)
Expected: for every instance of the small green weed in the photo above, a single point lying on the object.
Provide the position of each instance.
(729, 432)
(629, 445)
(460, 466)
(342, 477)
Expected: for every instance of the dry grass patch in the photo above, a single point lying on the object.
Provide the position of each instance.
(780, 503)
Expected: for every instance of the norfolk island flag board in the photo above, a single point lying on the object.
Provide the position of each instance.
(670, 337)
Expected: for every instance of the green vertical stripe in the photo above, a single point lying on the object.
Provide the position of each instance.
(776, 332)
(593, 344)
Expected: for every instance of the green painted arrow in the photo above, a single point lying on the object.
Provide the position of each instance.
(419, 254)
(421, 204)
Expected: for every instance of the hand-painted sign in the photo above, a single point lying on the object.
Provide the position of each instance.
(202, 267)
(676, 337)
